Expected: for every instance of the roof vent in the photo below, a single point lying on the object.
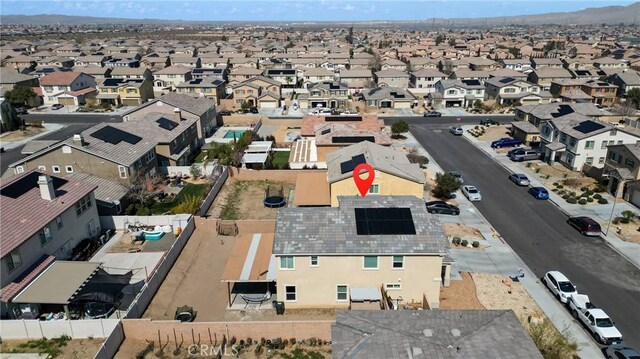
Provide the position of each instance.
(427, 333)
(455, 332)
(313, 238)
(416, 351)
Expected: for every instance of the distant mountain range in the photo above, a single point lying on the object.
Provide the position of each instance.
(604, 15)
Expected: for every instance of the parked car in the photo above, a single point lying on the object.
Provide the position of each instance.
(585, 225)
(522, 154)
(472, 193)
(519, 179)
(224, 113)
(489, 122)
(432, 114)
(620, 351)
(597, 322)
(457, 175)
(559, 285)
(321, 111)
(21, 111)
(254, 110)
(456, 130)
(505, 142)
(441, 207)
(56, 106)
(539, 192)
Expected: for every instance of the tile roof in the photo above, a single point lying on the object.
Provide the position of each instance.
(11, 76)
(174, 70)
(337, 130)
(196, 106)
(303, 230)
(107, 191)
(388, 92)
(391, 73)
(355, 73)
(24, 212)
(495, 334)
(59, 78)
(11, 289)
(311, 123)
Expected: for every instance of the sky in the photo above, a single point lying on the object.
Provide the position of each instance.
(295, 10)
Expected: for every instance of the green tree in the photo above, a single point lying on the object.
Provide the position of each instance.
(222, 152)
(399, 127)
(514, 51)
(633, 95)
(446, 184)
(190, 204)
(349, 37)
(439, 39)
(20, 95)
(452, 41)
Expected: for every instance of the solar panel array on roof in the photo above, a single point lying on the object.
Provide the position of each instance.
(588, 127)
(112, 82)
(343, 118)
(350, 165)
(334, 86)
(195, 82)
(281, 72)
(471, 82)
(384, 221)
(506, 80)
(324, 132)
(167, 124)
(352, 139)
(114, 136)
(26, 184)
(562, 110)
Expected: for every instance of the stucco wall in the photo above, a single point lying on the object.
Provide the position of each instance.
(389, 185)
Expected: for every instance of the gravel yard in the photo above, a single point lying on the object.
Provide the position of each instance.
(462, 231)
(461, 294)
(493, 293)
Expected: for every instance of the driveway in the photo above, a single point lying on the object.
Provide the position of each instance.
(538, 233)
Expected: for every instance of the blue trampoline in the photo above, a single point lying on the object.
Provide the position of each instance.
(274, 197)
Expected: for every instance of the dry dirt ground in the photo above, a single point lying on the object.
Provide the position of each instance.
(628, 232)
(461, 294)
(74, 349)
(460, 230)
(493, 133)
(21, 135)
(557, 173)
(249, 199)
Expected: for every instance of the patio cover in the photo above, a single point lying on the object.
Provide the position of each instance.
(312, 189)
(58, 283)
(251, 259)
(255, 158)
(109, 96)
(365, 293)
(103, 287)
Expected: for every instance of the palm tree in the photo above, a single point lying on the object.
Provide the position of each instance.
(224, 153)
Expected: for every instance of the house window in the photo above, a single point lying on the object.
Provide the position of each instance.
(290, 293)
(286, 262)
(19, 169)
(393, 286)
(374, 189)
(83, 204)
(66, 149)
(122, 171)
(42, 168)
(620, 142)
(370, 262)
(68, 168)
(604, 145)
(314, 261)
(55, 169)
(613, 132)
(59, 222)
(398, 262)
(13, 260)
(572, 142)
(589, 161)
(563, 138)
(45, 235)
(629, 163)
(451, 92)
(589, 145)
(341, 293)
(601, 160)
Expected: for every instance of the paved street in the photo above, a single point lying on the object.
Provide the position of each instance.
(73, 118)
(537, 230)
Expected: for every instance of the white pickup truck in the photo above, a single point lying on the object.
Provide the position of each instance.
(595, 320)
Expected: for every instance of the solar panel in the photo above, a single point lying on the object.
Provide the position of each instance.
(588, 127)
(112, 82)
(195, 81)
(384, 221)
(26, 184)
(343, 118)
(471, 82)
(324, 132)
(350, 165)
(506, 80)
(352, 139)
(114, 136)
(167, 124)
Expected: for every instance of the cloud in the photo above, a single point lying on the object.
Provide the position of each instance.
(349, 7)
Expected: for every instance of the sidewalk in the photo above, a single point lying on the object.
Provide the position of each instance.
(600, 213)
(498, 258)
(49, 128)
(72, 110)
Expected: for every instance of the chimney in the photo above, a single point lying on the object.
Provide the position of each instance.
(78, 140)
(177, 114)
(46, 188)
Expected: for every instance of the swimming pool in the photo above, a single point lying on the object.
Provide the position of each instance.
(152, 236)
(234, 133)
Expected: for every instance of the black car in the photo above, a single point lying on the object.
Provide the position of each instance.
(56, 106)
(441, 207)
(489, 122)
(585, 225)
(254, 110)
(432, 114)
(224, 113)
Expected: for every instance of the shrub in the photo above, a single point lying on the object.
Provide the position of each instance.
(631, 215)
(475, 244)
(603, 201)
(597, 196)
(456, 240)
(590, 192)
(464, 243)
(600, 188)
(551, 342)
(554, 190)
(263, 341)
(537, 170)
(624, 220)
(616, 220)
(560, 186)
(589, 199)
(285, 342)
(583, 189)
(584, 194)
(565, 196)
(582, 201)
(528, 164)
(292, 341)
(249, 341)
(258, 350)
(232, 341)
(571, 200)
(556, 184)
(547, 176)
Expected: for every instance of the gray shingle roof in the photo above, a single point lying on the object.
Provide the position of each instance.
(11, 76)
(196, 106)
(495, 334)
(107, 191)
(301, 230)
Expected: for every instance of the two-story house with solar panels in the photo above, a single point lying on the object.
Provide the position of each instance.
(368, 253)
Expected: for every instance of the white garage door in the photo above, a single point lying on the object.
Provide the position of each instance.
(268, 104)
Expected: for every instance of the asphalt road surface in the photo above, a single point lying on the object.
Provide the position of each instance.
(537, 230)
(64, 118)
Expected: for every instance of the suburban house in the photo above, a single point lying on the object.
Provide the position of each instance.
(426, 79)
(538, 63)
(418, 63)
(240, 74)
(356, 79)
(622, 166)
(576, 140)
(469, 334)
(98, 73)
(392, 78)
(602, 93)
(288, 78)
(625, 81)
(393, 64)
(328, 94)
(314, 75)
(256, 90)
(525, 132)
(202, 72)
(468, 74)
(365, 122)
(482, 64)
(543, 76)
(132, 73)
(536, 114)
(610, 63)
(20, 63)
(457, 93)
(56, 61)
(44, 218)
(507, 91)
(67, 88)
(209, 87)
(125, 92)
(188, 107)
(167, 79)
(185, 60)
(10, 78)
(356, 254)
(395, 175)
(388, 97)
(569, 90)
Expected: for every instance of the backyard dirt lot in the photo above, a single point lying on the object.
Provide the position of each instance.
(244, 199)
(73, 349)
(21, 135)
(460, 230)
(493, 133)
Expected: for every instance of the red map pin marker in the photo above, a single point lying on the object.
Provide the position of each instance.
(363, 184)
